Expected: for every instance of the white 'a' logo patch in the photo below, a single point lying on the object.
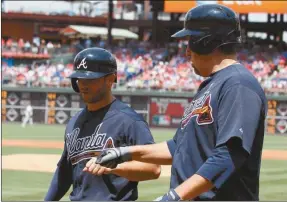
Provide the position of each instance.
(83, 63)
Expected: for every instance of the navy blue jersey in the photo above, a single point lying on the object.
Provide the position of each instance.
(85, 137)
(229, 104)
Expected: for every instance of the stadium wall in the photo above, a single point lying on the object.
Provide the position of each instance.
(160, 109)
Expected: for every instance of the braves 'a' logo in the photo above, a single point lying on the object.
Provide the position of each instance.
(201, 109)
(83, 63)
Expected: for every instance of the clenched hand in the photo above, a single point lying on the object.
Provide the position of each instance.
(111, 157)
(96, 169)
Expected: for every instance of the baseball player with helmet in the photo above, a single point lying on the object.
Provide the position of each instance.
(105, 122)
(216, 151)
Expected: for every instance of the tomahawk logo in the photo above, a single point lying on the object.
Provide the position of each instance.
(201, 109)
(83, 64)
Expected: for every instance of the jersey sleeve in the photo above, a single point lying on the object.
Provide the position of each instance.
(61, 180)
(138, 133)
(239, 113)
(221, 165)
(171, 144)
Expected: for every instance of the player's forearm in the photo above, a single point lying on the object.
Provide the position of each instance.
(154, 153)
(137, 171)
(59, 186)
(193, 187)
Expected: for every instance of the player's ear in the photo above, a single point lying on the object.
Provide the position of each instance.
(110, 79)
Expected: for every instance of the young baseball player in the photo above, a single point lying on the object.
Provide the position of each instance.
(105, 123)
(216, 151)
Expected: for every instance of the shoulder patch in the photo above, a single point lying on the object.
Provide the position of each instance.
(201, 109)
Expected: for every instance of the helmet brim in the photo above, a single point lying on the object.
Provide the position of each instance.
(87, 75)
(187, 32)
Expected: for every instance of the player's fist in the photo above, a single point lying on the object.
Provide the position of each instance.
(96, 169)
(171, 195)
(111, 157)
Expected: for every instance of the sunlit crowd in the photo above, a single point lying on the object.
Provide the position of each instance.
(143, 67)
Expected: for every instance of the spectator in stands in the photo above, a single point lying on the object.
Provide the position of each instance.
(42, 48)
(36, 40)
(3, 43)
(20, 45)
(50, 47)
(88, 43)
(27, 46)
(9, 44)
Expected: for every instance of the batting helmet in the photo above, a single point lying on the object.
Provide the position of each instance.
(209, 27)
(92, 63)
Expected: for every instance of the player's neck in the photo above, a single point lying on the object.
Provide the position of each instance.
(102, 103)
(223, 62)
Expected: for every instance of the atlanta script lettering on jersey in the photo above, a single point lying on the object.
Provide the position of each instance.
(86, 147)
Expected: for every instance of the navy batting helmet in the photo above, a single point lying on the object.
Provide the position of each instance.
(92, 63)
(209, 27)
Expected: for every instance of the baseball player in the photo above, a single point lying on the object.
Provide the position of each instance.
(28, 116)
(105, 122)
(216, 151)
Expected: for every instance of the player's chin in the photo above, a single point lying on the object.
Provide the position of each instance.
(194, 69)
(87, 99)
(94, 99)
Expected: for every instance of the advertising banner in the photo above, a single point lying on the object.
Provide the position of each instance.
(167, 112)
(277, 122)
(253, 6)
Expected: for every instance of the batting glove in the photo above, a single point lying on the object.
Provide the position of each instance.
(111, 157)
(171, 195)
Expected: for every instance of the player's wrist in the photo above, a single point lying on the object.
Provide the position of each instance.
(171, 195)
(113, 171)
(117, 170)
(125, 153)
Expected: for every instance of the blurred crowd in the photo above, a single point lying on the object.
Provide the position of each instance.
(269, 66)
(141, 66)
(20, 46)
(43, 75)
(174, 75)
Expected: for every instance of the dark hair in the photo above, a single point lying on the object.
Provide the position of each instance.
(229, 49)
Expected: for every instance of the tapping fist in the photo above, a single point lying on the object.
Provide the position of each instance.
(93, 168)
(171, 195)
(111, 157)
